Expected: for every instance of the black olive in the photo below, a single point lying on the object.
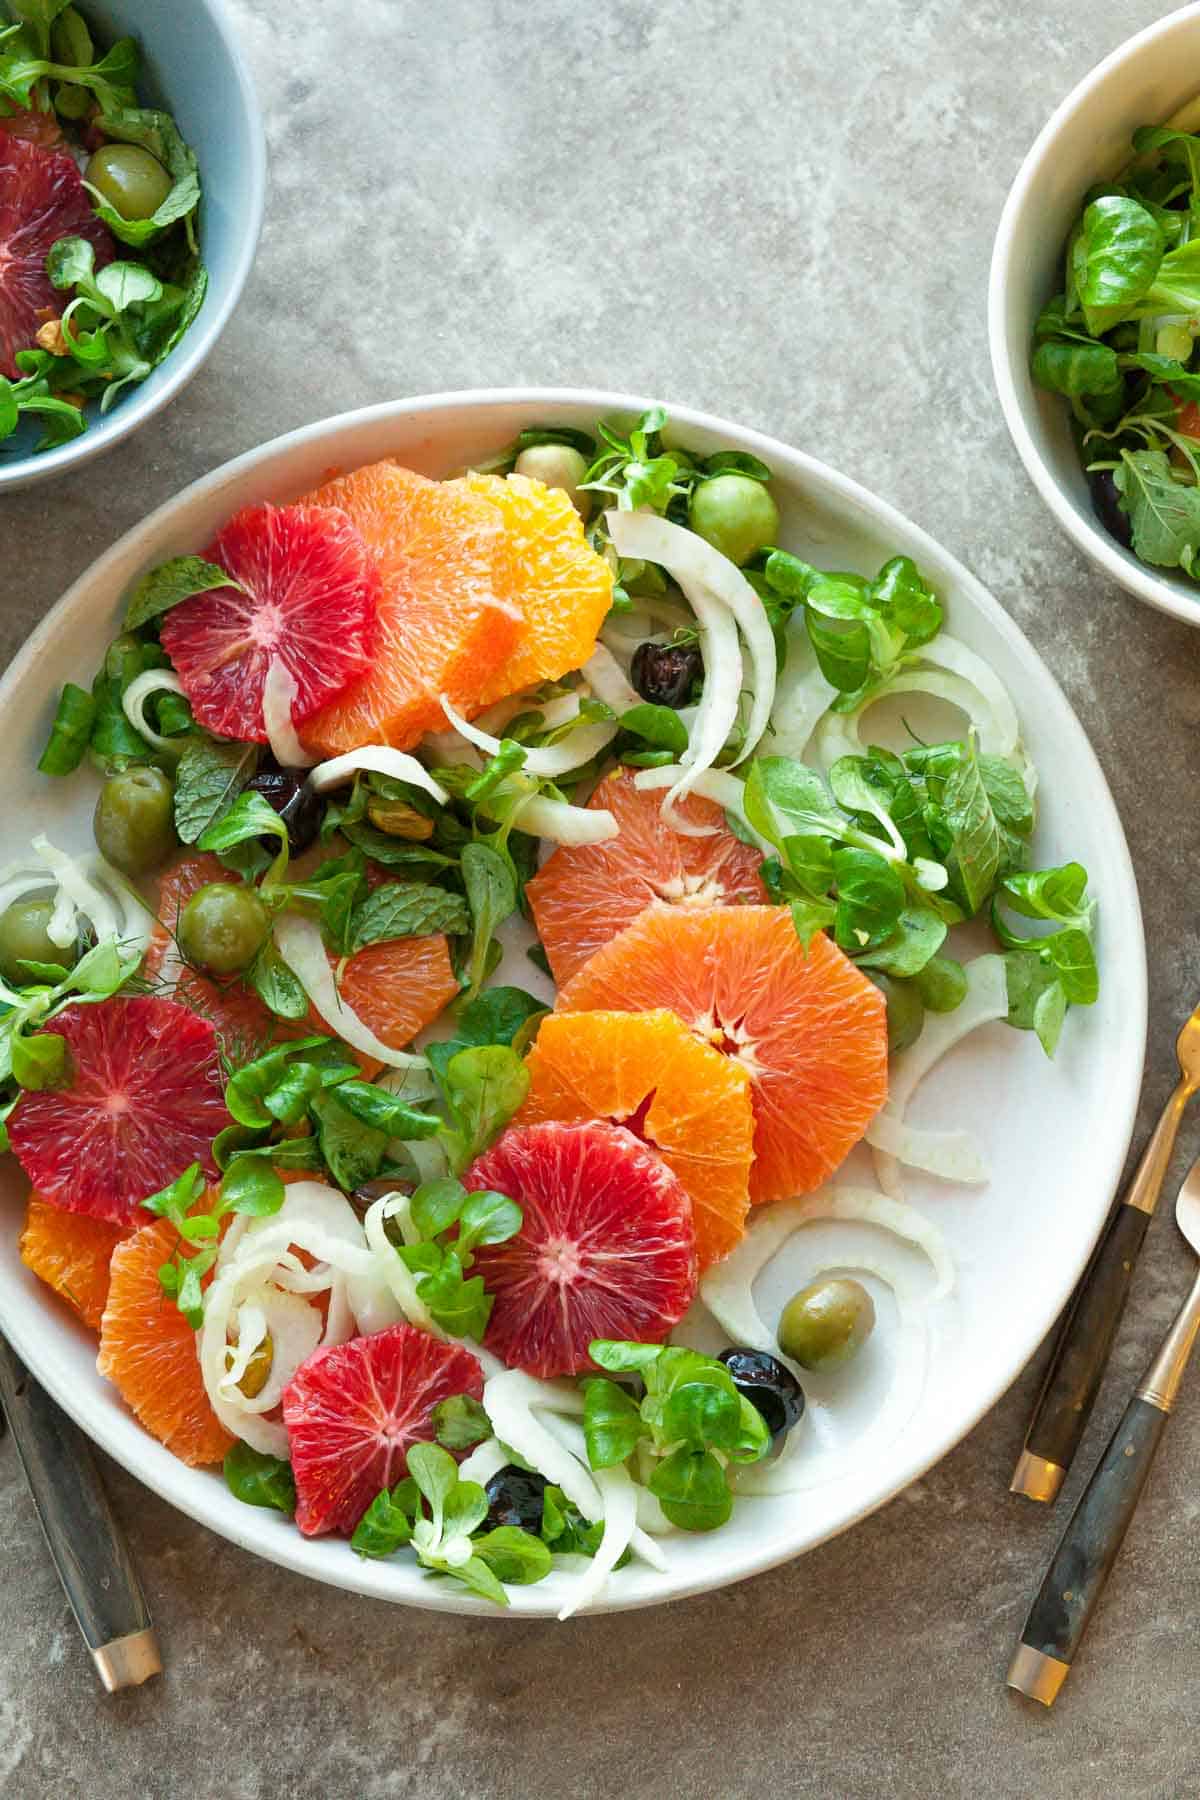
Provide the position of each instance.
(515, 1497)
(1106, 496)
(363, 1198)
(664, 674)
(768, 1385)
(298, 805)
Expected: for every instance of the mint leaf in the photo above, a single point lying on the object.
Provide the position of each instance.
(171, 582)
(209, 776)
(402, 910)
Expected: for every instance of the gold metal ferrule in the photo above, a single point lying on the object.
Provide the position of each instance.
(128, 1661)
(1036, 1477)
(1036, 1675)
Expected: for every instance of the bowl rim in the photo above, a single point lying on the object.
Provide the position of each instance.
(1134, 576)
(172, 1480)
(142, 406)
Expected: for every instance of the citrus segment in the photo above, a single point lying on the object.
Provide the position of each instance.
(647, 1071)
(444, 628)
(42, 199)
(398, 987)
(584, 895)
(142, 1098)
(561, 586)
(606, 1247)
(353, 1411)
(71, 1254)
(806, 1025)
(304, 594)
(148, 1351)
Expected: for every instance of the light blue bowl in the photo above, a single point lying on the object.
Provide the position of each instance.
(192, 67)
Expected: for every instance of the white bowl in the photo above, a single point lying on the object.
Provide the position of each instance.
(192, 67)
(1055, 1133)
(1144, 82)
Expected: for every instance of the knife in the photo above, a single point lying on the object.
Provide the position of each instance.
(87, 1544)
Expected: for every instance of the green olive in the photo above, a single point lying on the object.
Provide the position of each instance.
(71, 41)
(23, 938)
(557, 466)
(134, 183)
(826, 1323)
(134, 824)
(905, 1009)
(736, 514)
(223, 927)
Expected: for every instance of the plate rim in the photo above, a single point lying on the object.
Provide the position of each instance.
(163, 1473)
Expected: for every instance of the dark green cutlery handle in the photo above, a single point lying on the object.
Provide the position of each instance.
(1075, 1579)
(85, 1540)
(1083, 1347)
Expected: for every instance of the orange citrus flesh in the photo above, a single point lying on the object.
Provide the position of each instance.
(647, 1071)
(148, 1351)
(809, 1029)
(445, 623)
(396, 988)
(563, 588)
(583, 895)
(70, 1252)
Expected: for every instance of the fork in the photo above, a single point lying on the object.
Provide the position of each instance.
(1075, 1579)
(1082, 1349)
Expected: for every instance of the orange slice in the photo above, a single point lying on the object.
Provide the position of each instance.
(398, 987)
(584, 895)
(647, 1071)
(808, 1027)
(563, 588)
(70, 1252)
(148, 1351)
(445, 626)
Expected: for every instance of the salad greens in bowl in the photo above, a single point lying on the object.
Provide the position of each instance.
(131, 194)
(1093, 307)
(541, 1014)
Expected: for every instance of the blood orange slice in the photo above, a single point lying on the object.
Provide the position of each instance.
(647, 1071)
(42, 198)
(809, 1029)
(306, 595)
(606, 1248)
(145, 1098)
(445, 626)
(562, 587)
(353, 1410)
(70, 1253)
(148, 1350)
(583, 895)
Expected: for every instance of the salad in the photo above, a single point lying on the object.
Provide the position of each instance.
(501, 927)
(1119, 343)
(100, 271)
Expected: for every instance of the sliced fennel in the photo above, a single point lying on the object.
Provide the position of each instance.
(377, 759)
(550, 761)
(279, 693)
(986, 1000)
(299, 943)
(133, 703)
(699, 568)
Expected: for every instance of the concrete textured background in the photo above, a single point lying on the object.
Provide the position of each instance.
(782, 212)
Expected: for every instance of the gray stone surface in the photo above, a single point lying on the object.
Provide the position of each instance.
(783, 213)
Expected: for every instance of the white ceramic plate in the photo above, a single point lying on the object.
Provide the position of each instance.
(1144, 81)
(1055, 1133)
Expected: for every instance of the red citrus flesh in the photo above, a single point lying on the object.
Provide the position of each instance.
(308, 595)
(42, 199)
(145, 1099)
(353, 1410)
(607, 1247)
